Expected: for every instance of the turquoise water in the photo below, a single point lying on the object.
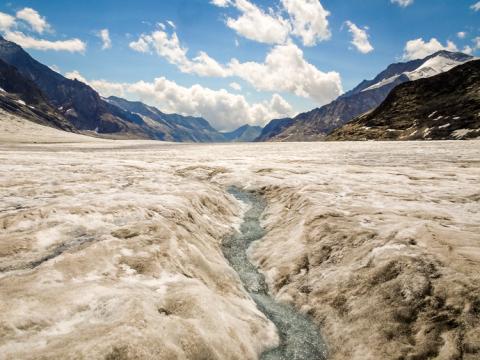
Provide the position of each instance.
(300, 338)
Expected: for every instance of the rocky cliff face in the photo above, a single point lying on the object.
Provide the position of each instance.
(446, 106)
(76, 101)
(316, 124)
(22, 97)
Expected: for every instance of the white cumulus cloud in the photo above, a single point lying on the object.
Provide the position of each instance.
(224, 110)
(309, 20)
(286, 70)
(28, 42)
(221, 3)
(258, 25)
(37, 22)
(402, 3)
(461, 34)
(104, 35)
(235, 86)
(359, 38)
(168, 46)
(10, 30)
(6, 22)
(476, 6)
(75, 75)
(418, 48)
(476, 43)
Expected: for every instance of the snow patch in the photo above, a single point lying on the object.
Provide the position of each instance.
(460, 133)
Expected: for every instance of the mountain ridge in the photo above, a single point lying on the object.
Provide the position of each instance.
(442, 107)
(245, 133)
(314, 125)
(80, 107)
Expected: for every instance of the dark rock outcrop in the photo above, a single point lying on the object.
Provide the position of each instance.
(22, 97)
(443, 107)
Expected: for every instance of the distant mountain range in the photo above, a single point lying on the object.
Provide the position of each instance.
(245, 133)
(317, 124)
(36, 92)
(42, 95)
(442, 107)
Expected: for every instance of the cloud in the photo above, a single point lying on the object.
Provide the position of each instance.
(359, 38)
(418, 48)
(27, 42)
(6, 22)
(172, 24)
(402, 3)
(235, 86)
(38, 23)
(255, 24)
(476, 42)
(104, 35)
(286, 70)
(221, 3)
(141, 45)
(169, 47)
(468, 50)
(476, 6)
(75, 75)
(225, 111)
(461, 34)
(309, 20)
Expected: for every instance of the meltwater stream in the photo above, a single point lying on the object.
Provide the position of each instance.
(300, 338)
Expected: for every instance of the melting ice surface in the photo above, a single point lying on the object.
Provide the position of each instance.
(300, 338)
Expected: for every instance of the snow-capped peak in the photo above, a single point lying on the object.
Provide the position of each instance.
(433, 65)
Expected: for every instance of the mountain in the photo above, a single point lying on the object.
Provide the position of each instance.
(274, 128)
(245, 133)
(170, 127)
(445, 106)
(316, 124)
(22, 97)
(76, 101)
(82, 108)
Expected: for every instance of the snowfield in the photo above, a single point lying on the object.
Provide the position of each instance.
(112, 250)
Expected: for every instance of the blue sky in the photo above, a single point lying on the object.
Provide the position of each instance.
(311, 63)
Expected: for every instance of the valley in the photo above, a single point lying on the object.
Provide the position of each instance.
(240, 180)
(377, 243)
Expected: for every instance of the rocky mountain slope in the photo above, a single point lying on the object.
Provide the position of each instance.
(170, 127)
(22, 97)
(245, 133)
(316, 124)
(446, 106)
(274, 128)
(77, 106)
(76, 101)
